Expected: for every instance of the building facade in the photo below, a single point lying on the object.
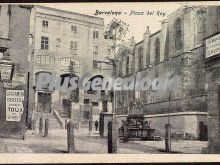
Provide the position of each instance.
(14, 35)
(175, 51)
(212, 76)
(65, 42)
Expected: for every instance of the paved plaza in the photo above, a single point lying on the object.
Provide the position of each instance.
(56, 142)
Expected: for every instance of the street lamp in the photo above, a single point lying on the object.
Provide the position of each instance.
(6, 69)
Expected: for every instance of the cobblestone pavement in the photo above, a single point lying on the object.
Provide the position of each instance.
(85, 143)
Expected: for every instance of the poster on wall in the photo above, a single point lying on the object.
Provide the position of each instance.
(14, 105)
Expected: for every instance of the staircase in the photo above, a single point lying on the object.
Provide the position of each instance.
(53, 123)
(63, 113)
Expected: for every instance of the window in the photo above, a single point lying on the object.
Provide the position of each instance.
(95, 104)
(45, 24)
(178, 34)
(75, 63)
(109, 52)
(120, 69)
(73, 28)
(95, 64)
(73, 47)
(147, 59)
(95, 34)
(105, 105)
(44, 59)
(140, 58)
(101, 65)
(95, 50)
(44, 43)
(86, 101)
(66, 62)
(127, 65)
(157, 50)
(75, 95)
(58, 42)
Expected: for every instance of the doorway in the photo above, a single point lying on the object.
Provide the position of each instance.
(44, 102)
(203, 131)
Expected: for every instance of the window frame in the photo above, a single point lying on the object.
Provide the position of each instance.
(45, 60)
(44, 43)
(66, 59)
(95, 34)
(58, 42)
(140, 58)
(157, 50)
(127, 65)
(95, 51)
(45, 23)
(74, 29)
(73, 47)
(178, 34)
(109, 52)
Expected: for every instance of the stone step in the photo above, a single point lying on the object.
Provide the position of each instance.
(53, 123)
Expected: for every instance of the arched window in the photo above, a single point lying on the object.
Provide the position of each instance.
(178, 34)
(157, 50)
(127, 65)
(140, 58)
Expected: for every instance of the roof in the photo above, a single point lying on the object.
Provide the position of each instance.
(155, 33)
(139, 42)
(66, 11)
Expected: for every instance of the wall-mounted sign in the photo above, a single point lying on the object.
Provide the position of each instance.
(14, 105)
(6, 72)
(212, 46)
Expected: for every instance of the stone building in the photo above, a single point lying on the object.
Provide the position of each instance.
(212, 66)
(175, 51)
(14, 38)
(66, 42)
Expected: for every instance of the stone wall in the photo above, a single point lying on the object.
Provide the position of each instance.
(187, 64)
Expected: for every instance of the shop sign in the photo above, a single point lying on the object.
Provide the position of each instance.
(14, 105)
(212, 46)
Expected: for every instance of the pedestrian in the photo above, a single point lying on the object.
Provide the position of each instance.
(96, 125)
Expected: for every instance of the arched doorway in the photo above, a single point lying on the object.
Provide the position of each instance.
(44, 96)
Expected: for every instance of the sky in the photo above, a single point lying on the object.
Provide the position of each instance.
(137, 23)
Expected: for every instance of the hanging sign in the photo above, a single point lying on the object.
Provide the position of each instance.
(14, 105)
(6, 72)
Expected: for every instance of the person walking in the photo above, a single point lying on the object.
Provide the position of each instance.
(96, 125)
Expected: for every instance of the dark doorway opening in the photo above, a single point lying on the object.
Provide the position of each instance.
(203, 131)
